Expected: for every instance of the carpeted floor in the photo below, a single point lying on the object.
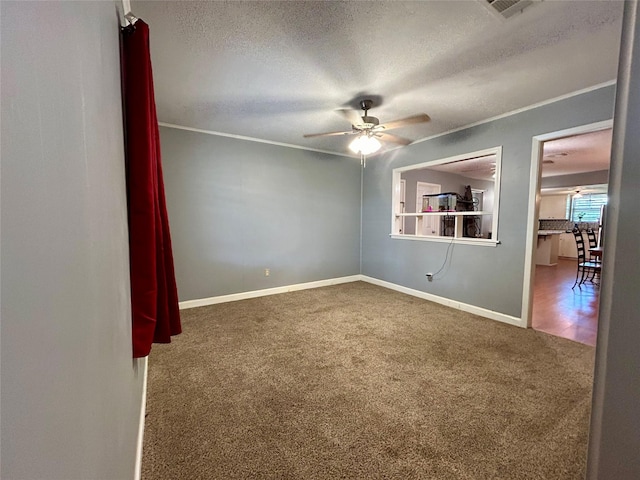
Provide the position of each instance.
(356, 381)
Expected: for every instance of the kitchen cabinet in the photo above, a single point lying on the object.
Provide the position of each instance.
(553, 206)
(548, 247)
(568, 246)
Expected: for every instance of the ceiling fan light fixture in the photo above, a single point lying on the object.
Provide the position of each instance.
(365, 145)
(366, 128)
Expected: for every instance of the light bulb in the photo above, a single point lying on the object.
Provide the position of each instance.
(355, 145)
(365, 145)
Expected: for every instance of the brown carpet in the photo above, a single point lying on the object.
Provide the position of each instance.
(356, 381)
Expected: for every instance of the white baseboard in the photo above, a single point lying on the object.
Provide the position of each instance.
(143, 410)
(267, 291)
(482, 312)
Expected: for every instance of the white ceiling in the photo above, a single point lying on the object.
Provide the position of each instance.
(277, 70)
(589, 152)
(481, 168)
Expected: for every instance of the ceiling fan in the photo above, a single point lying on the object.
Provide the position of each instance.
(369, 130)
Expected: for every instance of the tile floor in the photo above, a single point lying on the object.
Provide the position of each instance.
(560, 310)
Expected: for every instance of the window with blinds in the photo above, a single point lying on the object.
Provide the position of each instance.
(587, 207)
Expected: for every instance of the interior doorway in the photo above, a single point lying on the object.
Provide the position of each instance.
(566, 166)
(430, 225)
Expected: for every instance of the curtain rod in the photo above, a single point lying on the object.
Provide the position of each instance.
(129, 17)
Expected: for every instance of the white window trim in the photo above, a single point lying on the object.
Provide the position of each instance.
(396, 218)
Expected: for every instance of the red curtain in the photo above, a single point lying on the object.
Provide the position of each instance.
(154, 297)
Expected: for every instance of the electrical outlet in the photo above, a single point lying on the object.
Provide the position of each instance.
(267, 272)
(430, 277)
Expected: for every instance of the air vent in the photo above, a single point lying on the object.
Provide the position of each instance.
(555, 155)
(507, 8)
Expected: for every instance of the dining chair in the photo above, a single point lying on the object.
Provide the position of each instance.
(587, 269)
(593, 243)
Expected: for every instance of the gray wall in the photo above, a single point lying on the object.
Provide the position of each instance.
(614, 439)
(405, 262)
(601, 177)
(71, 393)
(237, 207)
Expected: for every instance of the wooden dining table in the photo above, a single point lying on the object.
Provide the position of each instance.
(596, 252)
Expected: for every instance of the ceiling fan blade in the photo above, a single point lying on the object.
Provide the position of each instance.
(387, 137)
(351, 115)
(328, 134)
(423, 117)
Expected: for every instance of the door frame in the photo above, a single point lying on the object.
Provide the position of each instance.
(534, 207)
(403, 202)
(437, 187)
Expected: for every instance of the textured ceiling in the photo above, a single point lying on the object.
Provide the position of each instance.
(481, 168)
(277, 70)
(588, 152)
